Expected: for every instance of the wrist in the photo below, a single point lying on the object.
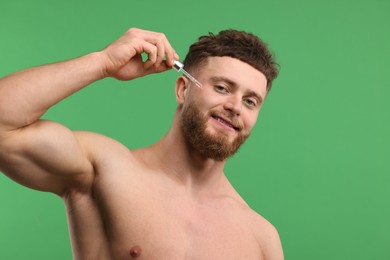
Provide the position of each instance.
(99, 62)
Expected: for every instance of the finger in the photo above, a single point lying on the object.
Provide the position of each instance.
(164, 48)
(176, 57)
(160, 53)
(170, 54)
(151, 51)
(161, 68)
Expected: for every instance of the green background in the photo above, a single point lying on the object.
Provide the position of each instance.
(317, 164)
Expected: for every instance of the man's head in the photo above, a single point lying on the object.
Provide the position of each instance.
(236, 71)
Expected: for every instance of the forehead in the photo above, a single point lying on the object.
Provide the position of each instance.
(237, 71)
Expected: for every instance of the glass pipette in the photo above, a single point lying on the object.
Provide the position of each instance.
(178, 66)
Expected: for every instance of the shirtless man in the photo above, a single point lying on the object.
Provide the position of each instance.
(167, 201)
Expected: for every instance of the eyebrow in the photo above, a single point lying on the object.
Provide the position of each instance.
(233, 84)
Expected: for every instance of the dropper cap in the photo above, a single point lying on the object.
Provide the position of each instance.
(177, 65)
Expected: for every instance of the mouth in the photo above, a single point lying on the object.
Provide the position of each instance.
(226, 122)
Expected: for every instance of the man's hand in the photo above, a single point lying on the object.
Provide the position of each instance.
(123, 58)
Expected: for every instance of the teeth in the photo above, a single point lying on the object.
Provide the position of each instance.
(224, 122)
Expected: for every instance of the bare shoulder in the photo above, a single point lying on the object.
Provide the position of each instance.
(265, 233)
(96, 140)
(267, 236)
(101, 148)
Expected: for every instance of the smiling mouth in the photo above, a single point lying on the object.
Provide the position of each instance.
(228, 124)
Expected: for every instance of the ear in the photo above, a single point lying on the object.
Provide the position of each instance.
(181, 88)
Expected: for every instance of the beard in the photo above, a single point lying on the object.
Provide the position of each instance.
(215, 146)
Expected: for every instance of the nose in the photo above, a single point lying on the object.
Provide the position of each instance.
(234, 105)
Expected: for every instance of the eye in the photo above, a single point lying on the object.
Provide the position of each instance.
(250, 102)
(221, 89)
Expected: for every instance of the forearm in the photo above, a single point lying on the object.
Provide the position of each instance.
(26, 95)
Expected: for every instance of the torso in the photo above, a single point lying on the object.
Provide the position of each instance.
(133, 212)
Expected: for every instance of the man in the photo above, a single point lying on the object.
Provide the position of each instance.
(167, 201)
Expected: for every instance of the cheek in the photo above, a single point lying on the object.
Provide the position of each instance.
(211, 98)
(250, 121)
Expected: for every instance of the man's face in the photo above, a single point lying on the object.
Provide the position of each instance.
(218, 118)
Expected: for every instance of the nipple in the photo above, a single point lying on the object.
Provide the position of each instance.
(135, 251)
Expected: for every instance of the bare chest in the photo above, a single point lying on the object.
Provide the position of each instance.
(174, 227)
(145, 222)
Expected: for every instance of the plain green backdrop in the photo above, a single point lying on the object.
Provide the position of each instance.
(317, 164)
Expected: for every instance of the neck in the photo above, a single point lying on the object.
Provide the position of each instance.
(176, 158)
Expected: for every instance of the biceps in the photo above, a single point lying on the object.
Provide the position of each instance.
(44, 156)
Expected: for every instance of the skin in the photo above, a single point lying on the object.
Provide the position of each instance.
(165, 201)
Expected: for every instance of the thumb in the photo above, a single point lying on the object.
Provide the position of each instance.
(156, 69)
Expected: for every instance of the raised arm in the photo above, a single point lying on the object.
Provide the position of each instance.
(45, 155)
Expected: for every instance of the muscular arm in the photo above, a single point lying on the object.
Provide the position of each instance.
(45, 155)
(33, 152)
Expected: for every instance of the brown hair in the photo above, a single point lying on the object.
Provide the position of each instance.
(236, 44)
